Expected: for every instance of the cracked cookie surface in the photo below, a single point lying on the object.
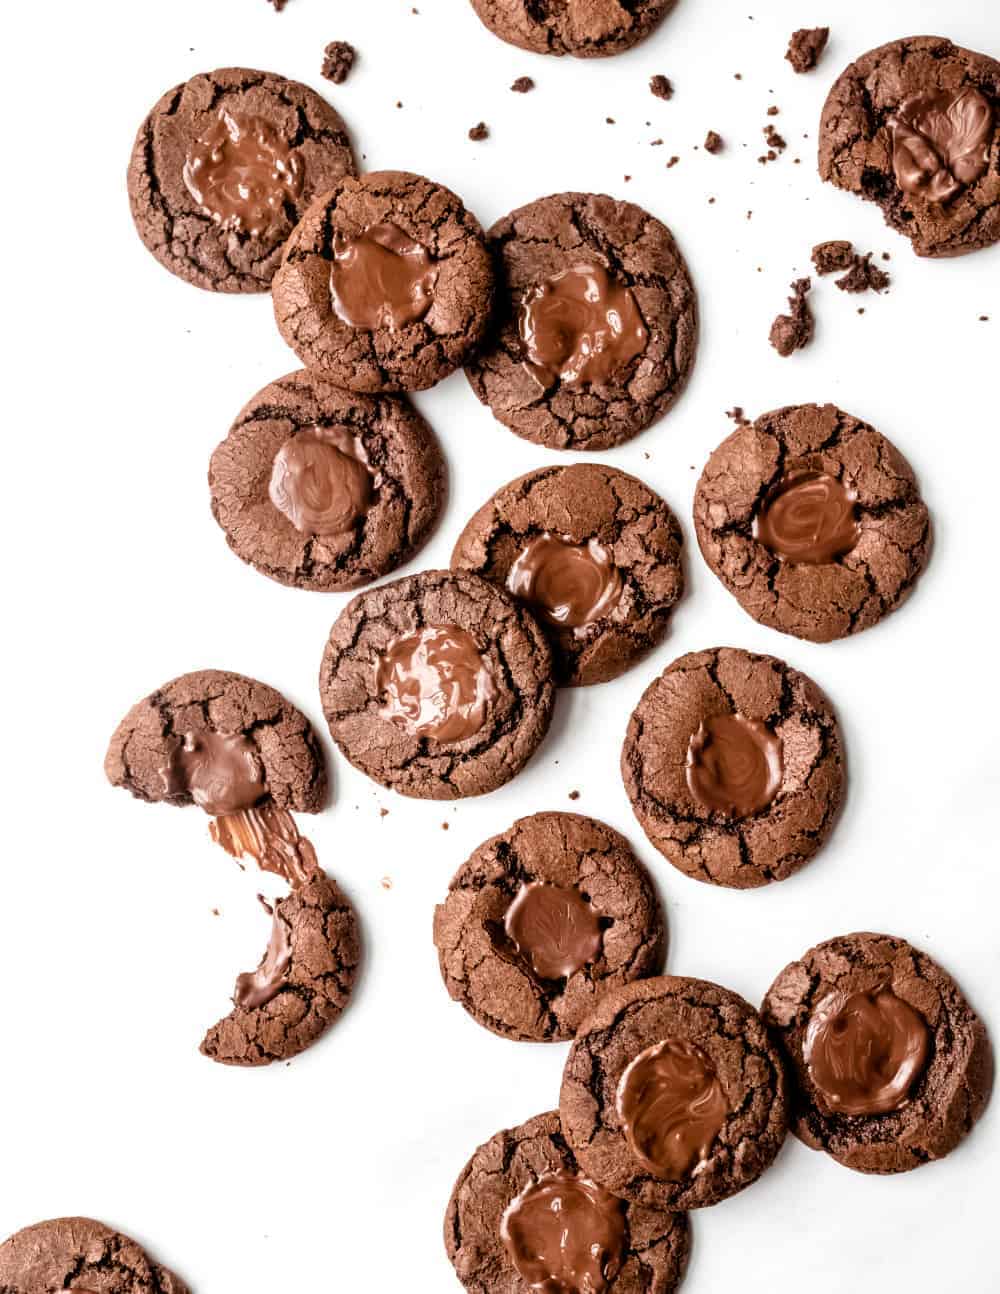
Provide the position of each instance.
(832, 593)
(798, 732)
(545, 239)
(639, 545)
(182, 233)
(410, 353)
(858, 143)
(605, 906)
(584, 28)
(655, 1247)
(217, 701)
(403, 467)
(390, 631)
(729, 1037)
(79, 1253)
(946, 1097)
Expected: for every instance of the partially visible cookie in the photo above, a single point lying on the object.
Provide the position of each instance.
(673, 1096)
(593, 552)
(219, 740)
(584, 28)
(386, 284)
(734, 765)
(523, 1217)
(914, 126)
(80, 1254)
(813, 521)
(323, 489)
(596, 325)
(222, 170)
(437, 685)
(893, 1067)
(543, 919)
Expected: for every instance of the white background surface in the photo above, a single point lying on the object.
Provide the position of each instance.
(332, 1174)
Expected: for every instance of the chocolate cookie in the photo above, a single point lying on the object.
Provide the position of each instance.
(594, 553)
(584, 28)
(83, 1255)
(673, 1096)
(813, 521)
(386, 284)
(523, 1217)
(596, 325)
(322, 489)
(220, 741)
(893, 1066)
(734, 766)
(437, 685)
(541, 920)
(222, 170)
(914, 126)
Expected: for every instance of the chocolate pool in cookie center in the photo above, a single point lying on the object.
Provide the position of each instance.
(570, 585)
(565, 1233)
(734, 765)
(241, 172)
(808, 518)
(865, 1051)
(220, 771)
(555, 928)
(672, 1107)
(941, 142)
(321, 481)
(580, 327)
(381, 279)
(435, 683)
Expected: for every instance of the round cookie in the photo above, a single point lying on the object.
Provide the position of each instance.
(386, 284)
(319, 488)
(80, 1254)
(892, 1065)
(219, 740)
(584, 28)
(914, 126)
(596, 327)
(504, 1236)
(673, 1096)
(594, 553)
(437, 685)
(734, 766)
(541, 920)
(222, 170)
(813, 521)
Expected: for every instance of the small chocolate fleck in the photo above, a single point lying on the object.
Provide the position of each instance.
(338, 60)
(522, 85)
(574, 795)
(661, 86)
(713, 142)
(478, 133)
(673, 162)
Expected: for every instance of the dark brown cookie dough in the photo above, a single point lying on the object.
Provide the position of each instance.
(323, 489)
(437, 685)
(734, 766)
(541, 920)
(813, 521)
(673, 1096)
(302, 985)
(386, 284)
(914, 126)
(80, 1254)
(596, 326)
(584, 28)
(222, 170)
(258, 738)
(593, 552)
(500, 1202)
(892, 1065)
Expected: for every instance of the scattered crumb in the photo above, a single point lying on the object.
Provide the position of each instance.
(522, 85)
(444, 826)
(775, 144)
(478, 133)
(805, 47)
(386, 882)
(837, 254)
(673, 162)
(886, 256)
(215, 912)
(984, 318)
(661, 87)
(574, 795)
(773, 110)
(710, 201)
(738, 416)
(655, 143)
(645, 452)
(278, 5)
(713, 142)
(398, 103)
(383, 813)
(610, 120)
(737, 76)
(863, 276)
(861, 310)
(338, 59)
(627, 178)
(793, 331)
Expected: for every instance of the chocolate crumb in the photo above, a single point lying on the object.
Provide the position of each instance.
(738, 416)
(805, 47)
(984, 318)
(673, 162)
(775, 144)
(861, 310)
(610, 120)
(713, 142)
(478, 133)
(655, 143)
(338, 59)
(737, 76)
(661, 87)
(574, 795)
(773, 110)
(386, 882)
(522, 85)
(278, 5)
(837, 254)
(215, 912)
(383, 813)
(863, 276)
(444, 826)
(793, 331)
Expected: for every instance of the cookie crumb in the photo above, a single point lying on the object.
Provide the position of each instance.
(806, 46)
(522, 85)
(773, 110)
(278, 4)
(775, 144)
(863, 276)
(478, 133)
(574, 795)
(383, 813)
(610, 120)
(837, 254)
(338, 60)
(673, 162)
(793, 331)
(984, 318)
(661, 87)
(386, 882)
(444, 826)
(713, 142)
(738, 416)
(215, 912)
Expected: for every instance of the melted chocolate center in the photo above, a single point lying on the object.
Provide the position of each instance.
(569, 585)
(381, 279)
(241, 173)
(321, 481)
(808, 518)
(435, 683)
(554, 928)
(220, 771)
(941, 142)
(734, 765)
